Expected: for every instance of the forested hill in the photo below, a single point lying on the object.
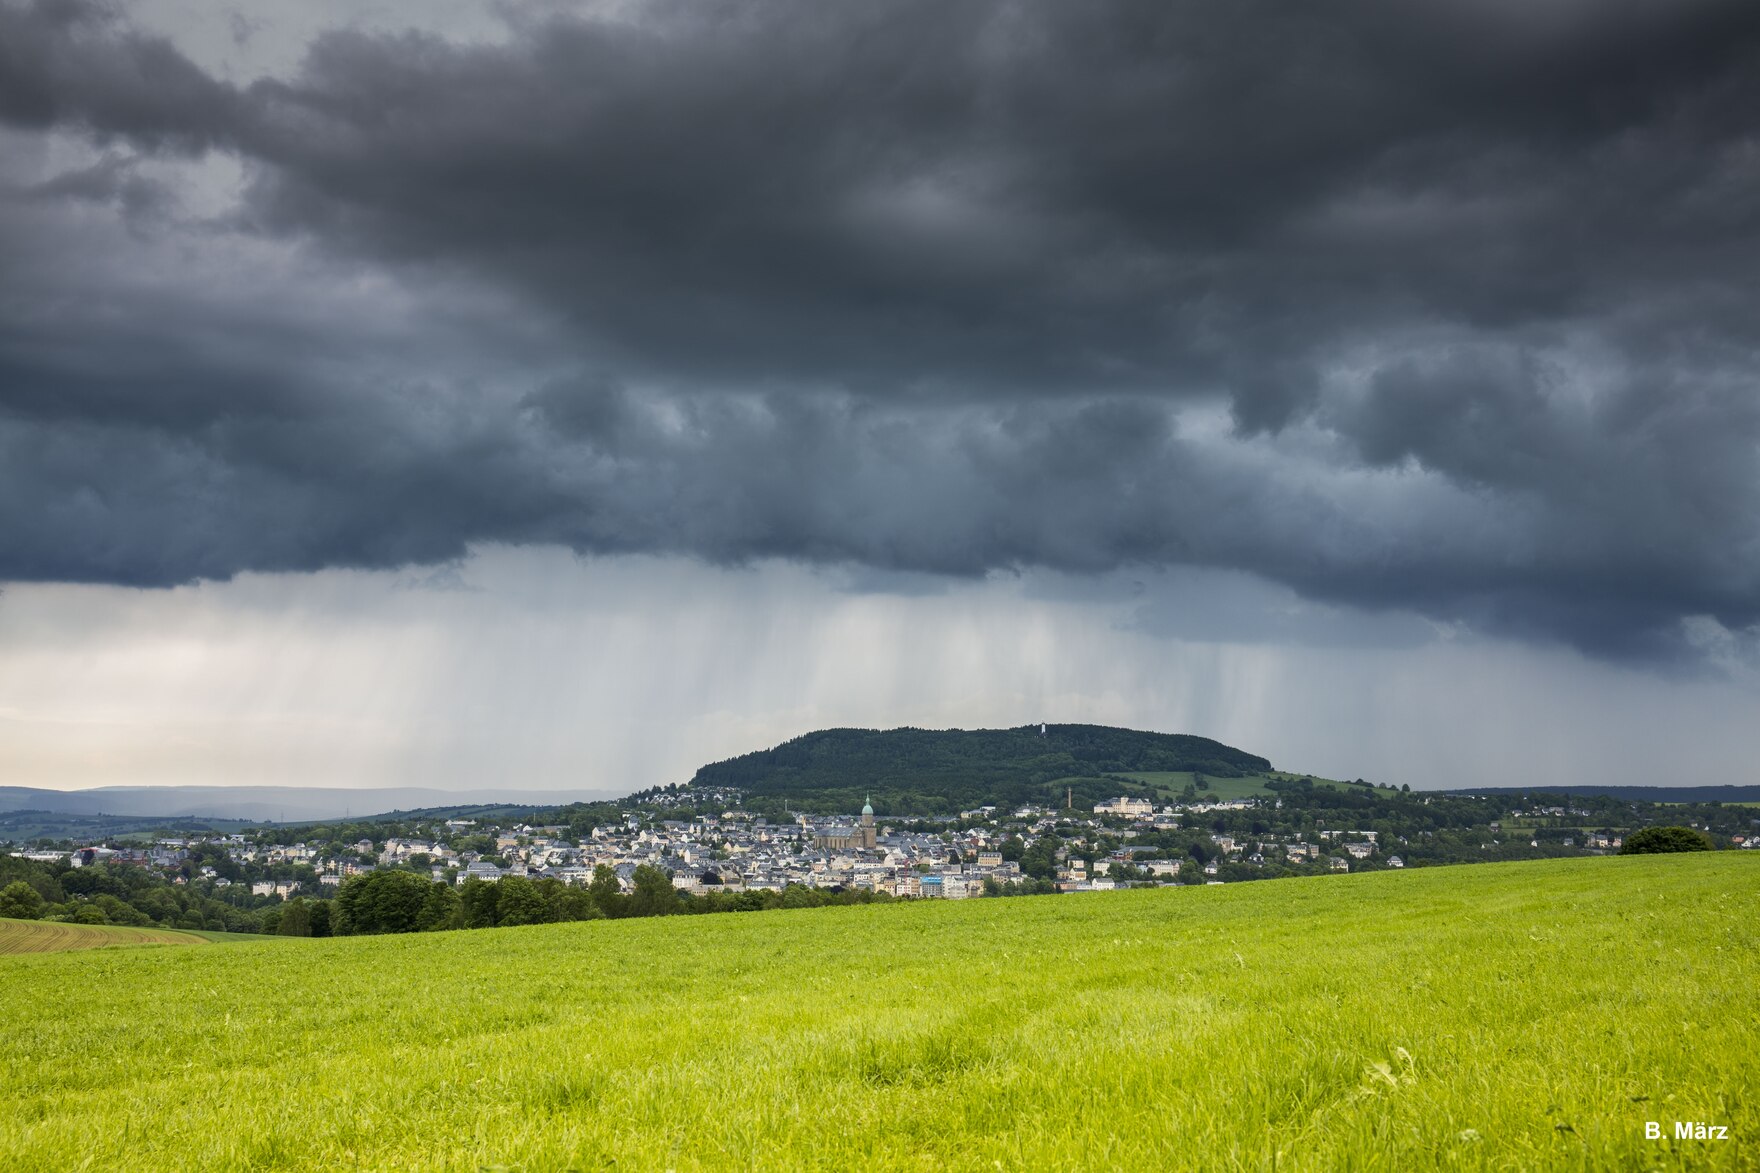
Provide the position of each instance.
(1626, 793)
(927, 771)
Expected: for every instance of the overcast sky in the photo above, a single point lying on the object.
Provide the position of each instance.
(484, 394)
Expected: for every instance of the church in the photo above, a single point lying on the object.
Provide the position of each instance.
(846, 838)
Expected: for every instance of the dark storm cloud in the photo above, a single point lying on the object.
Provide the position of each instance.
(932, 287)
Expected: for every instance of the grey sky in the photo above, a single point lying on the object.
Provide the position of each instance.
(1354, 334)
(528, 667)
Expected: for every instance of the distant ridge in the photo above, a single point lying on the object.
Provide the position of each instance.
(1631, 793)
(930, 771)
(270, 803)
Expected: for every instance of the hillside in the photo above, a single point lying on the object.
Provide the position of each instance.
(928, 771)
(1728, 794)
(1507, 1016)
(214, 805)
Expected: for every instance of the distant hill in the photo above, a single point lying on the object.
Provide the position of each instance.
(930, 771)
(1631, 793)
(267, 803)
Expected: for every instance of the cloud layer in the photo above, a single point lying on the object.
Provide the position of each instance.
(1443, 306)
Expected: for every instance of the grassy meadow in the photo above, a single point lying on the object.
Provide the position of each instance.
(1171, 782)
(37, 936)
(1514, 1016)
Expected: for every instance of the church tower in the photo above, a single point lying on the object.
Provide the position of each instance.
(865, 833)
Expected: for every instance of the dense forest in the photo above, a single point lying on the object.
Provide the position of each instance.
(939, 772)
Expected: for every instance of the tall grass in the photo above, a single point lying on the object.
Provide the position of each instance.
(1518, 1016)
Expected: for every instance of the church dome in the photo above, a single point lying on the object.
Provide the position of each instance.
(868, 808)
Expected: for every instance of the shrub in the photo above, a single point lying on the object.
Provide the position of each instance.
(1659, 840)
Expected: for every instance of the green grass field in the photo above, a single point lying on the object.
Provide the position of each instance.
(37, 936)
(216, 937)
(1515, 1016)
(1171, 783)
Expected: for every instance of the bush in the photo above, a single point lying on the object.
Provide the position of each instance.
(1660, 840)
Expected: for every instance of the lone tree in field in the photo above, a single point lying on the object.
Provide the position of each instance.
(1658, 840)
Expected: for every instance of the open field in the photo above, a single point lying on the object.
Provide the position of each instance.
(37, 936)
(1171, 783)
(1516, 1016)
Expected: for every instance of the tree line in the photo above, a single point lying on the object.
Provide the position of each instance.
(393, 901)
(103, 894)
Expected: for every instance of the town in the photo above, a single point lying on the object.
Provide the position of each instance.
(707, 846)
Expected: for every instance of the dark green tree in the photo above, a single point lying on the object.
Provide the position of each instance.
(20, 901)
(519, 902)
(654, 894)
(801, 896)
(296, 919)
(441, 909)
(607, 892)
(47, 886)
(1040, 860)
(119, 913)
(379, 902)
(1662, 840)
(477, 900)
(573, 903)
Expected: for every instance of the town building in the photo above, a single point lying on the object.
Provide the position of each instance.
(861, 837)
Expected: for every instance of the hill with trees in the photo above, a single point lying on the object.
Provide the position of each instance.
(943, 771)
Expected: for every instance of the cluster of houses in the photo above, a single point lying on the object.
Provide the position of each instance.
(735, 851)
